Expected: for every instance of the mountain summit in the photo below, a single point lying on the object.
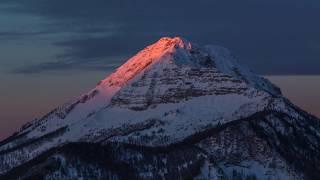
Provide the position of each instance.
(175, 110)
(172, 52)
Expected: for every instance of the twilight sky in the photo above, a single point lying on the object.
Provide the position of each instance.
(53, 50)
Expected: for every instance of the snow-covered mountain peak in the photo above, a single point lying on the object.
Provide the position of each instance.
(183, 105)
(179, 52)
(159, 51)
(176, 41)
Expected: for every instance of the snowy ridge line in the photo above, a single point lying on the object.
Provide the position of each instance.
(60, 112)
(304, 113)
(188, 142)
(12, 138)
(198, 136)
(123, 131)
(36, 140)
(194, 138)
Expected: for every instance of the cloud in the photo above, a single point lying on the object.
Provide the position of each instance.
(271, 37)
(96, 65)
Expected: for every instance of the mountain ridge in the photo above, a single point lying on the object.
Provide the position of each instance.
(170, 94)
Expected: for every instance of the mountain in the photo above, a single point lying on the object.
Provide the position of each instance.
(175, 110)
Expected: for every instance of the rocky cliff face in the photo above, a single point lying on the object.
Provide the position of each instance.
(175, 110)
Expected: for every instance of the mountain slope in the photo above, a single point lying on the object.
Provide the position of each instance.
(173, 99)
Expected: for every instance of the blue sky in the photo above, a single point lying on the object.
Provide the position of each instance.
(273, 37)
